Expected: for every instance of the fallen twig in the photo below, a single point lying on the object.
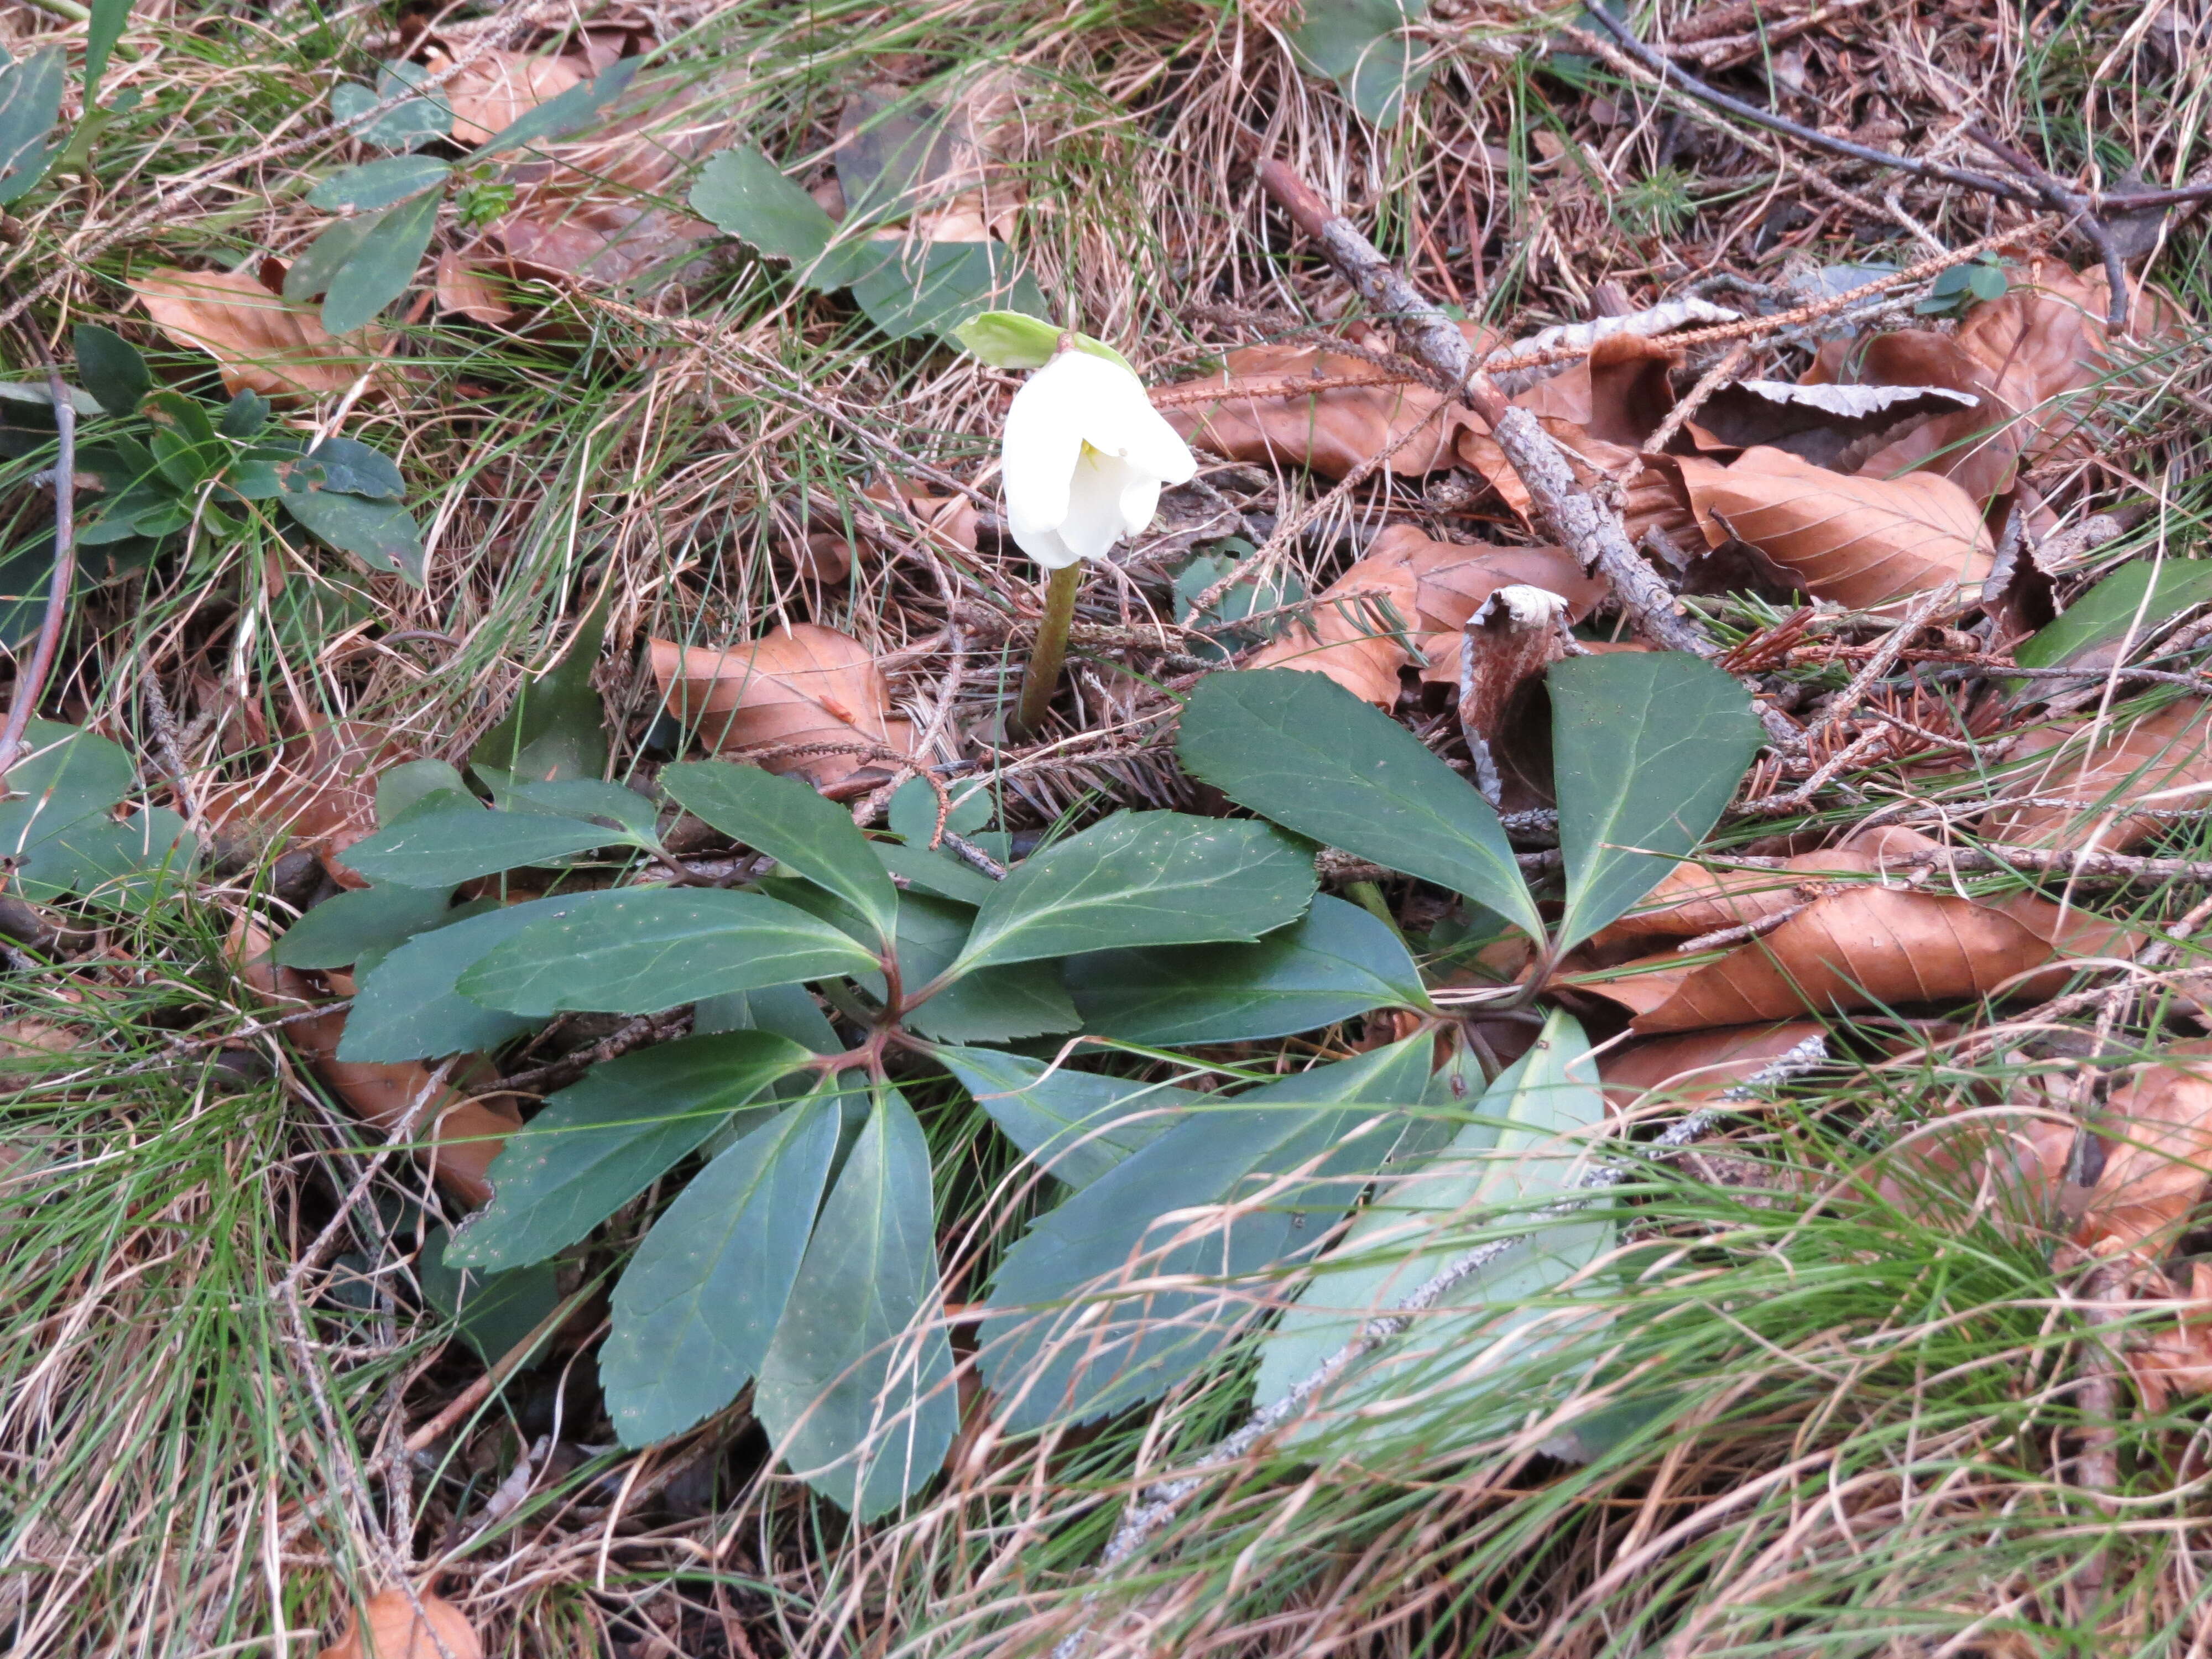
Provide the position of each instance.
(30, 683)
(1592, 533)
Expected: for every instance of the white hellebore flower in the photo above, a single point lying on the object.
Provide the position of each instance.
(1084, 458)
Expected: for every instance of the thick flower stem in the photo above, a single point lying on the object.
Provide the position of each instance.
(1042, 678)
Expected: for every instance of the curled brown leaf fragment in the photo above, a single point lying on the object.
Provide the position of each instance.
(2006, 1165)
(2158, 1126)
(800, 686)
(2177, 1360)
(318, 793)
(457, 1134)
(1356, 633)
(1453, 580)
(2105, 767)
(1260, 416)
(498, 88)
(387, 1626)
(1695, 1067)
(1514, 635)
(259, 341)
(1861, 541)
(1843, 943)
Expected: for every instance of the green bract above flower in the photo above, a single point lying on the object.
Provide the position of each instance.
(1014, 339)
(1084, 458)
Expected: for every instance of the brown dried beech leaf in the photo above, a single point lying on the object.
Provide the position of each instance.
(1353, 635)
(387, 1626)
(2178, 1361)
(320, 793)
(1864, 944)
(800, 685)
(1259, 418)
(1697, 1064)
(1599, 410)
(1979, 448)
(1860, 541)
(499, 88)
(2005, 1164)
(457, 1136)
(2170, 750)
(2159, 1127)
(260, 343)
(1832, 426)
(1452, 580)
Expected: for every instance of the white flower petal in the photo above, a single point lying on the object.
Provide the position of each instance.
(1084, 456)
(1140, 500)
(1039, 451)
(1093, 521)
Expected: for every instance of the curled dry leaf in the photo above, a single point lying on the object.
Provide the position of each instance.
(1861, 541)
(2107, 767)
(2007, 1166)
(320, 793)
(2177, 1360)
(1431, 588)
(2158, 1126)
(499, 88)
(1836, 427)
(1259, 419)
(1979, 448)
(1843, 943)
(801, 685)
(260, 343)
(458, 1134)
(1515, 634)
(939, 173)
(387, 1626)
(1696, 1066)
(463, 290)
(1354, 633)
(1600, 411)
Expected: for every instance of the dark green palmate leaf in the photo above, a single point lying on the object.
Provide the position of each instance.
(2142, 596)
(116, 864)
(935, 287)
(602, 1141)
(1301, 749)
(368, 921)
(639, 950)
(1524, 1149)
(112, 369)
(30, 104)
(443, 845)
(382, 534)
(66, 775)
(382, 264)
(786, 818)
(745, 195)
(696, 1311)
(406, 1007)
(378, 183)
(1143, 878)
(565, 112)
(348, 466)
(856, 1390)
(1051, 1352)
(557, 729)
(1076, 1125)
(1363, 47)
(102, 30)
(312, 273)
(408, 125)
(1334, 962)
(1647, 750)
